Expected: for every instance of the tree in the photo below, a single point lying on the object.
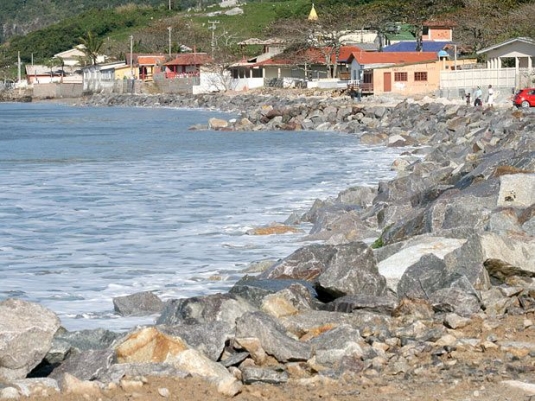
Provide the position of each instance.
(481, 22)
(417, 12)
(324, 34)
(53, 62)
(92, 45)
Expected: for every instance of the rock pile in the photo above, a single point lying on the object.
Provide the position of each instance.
(401, 272)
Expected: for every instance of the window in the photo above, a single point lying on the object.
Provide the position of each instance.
(400, 77)
(420, 76)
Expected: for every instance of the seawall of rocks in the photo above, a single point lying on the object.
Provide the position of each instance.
(399, 274)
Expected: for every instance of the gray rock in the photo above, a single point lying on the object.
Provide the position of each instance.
(384, 304)
(209, 338)
(305, 323)
(26, 332)
(254, 290)
(85, 365)
(351, 271)
(272, 337)
(397, 258)
(139, 304)
(197, 310)
(455, 300)
(251, 375)
(306, 263)
(234, 359)
(66, 342)
(332, 346)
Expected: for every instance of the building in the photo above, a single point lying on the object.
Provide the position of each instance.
(364, 64)
(101, 77)
(148, 65)
(186, 65)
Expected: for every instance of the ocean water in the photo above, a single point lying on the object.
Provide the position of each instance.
(103, 202)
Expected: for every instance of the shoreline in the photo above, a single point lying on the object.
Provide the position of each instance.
(448, 208)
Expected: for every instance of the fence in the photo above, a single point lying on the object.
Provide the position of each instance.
(456, 79)
(456, 83)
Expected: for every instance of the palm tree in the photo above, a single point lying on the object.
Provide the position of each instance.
(51, 63)
(92, 45)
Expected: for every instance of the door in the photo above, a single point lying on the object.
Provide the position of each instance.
(387, 82)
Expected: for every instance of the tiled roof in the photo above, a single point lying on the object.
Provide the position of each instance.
(410, 46)
(150, 60)
(190, 59)
(345, 52)
(365, 58)
(311, 55)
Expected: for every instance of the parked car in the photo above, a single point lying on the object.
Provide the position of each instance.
(524, 98)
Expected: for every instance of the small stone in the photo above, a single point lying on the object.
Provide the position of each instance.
(9, 393)
(164, 392)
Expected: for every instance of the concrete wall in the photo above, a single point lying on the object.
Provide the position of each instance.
(57, 90)
(466, 79)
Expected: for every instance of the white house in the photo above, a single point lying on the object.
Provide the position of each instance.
(101, 77)
(73, 57)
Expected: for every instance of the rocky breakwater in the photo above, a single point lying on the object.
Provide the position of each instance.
(428, 278)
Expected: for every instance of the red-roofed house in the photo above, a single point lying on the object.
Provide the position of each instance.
(309, 64)
(186, 65)
(148, 65)
(399, 72)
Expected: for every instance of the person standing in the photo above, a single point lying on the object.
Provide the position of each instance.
(478, 96)
(490, 99)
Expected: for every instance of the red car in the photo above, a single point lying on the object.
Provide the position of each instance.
(524, 98)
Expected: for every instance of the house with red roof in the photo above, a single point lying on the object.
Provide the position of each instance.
(186, 65)
(148, 65)
(303, 65)
(405, 73)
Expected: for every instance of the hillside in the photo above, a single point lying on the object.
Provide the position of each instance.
(20, 17)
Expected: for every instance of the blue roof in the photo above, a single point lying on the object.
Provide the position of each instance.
(410, 46)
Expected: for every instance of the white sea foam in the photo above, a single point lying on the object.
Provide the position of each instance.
(90, 214)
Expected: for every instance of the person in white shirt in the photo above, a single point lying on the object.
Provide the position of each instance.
(490, 99)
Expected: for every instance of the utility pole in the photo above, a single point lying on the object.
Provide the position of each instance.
(18, 63)
(212, 27)
(170, 43)
(131, 57)
(455, 56)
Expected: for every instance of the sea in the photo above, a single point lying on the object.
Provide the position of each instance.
(103, 202)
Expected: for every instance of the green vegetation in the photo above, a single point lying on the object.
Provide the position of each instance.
(378, 243)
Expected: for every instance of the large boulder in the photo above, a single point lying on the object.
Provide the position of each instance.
(410, 252)
(469, 259)
(197, 364)
(254, 290)
(197, 310)
(306, 263)
(149, 345)
(139, 304)
(26, 332)
(209, 338)
(272, 337)
(335, 270)
(351, 271)
(73, 342)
